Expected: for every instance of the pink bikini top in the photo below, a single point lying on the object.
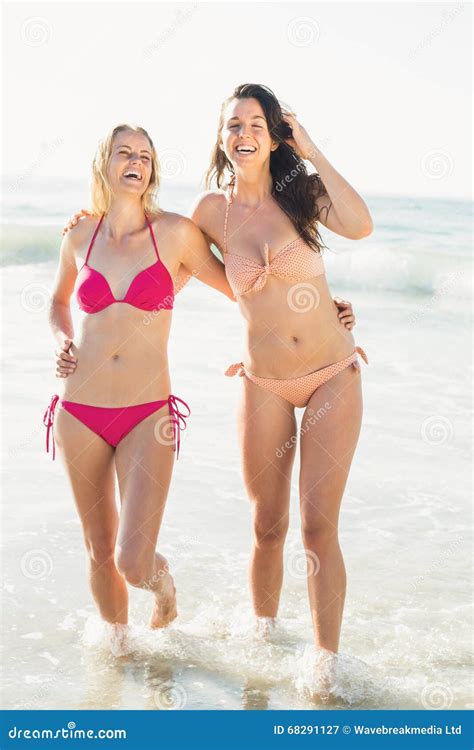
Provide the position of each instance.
(294, 262)
(151, 289)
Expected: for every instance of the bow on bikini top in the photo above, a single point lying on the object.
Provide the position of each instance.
(294, 262)
(151, 289)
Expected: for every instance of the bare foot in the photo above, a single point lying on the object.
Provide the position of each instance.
(164, 609)
(119, 640)
(265, 626)
(324, 677)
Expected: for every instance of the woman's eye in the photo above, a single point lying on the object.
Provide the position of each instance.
(145, 158)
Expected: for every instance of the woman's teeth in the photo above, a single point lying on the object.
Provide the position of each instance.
(132, 175)
(246, 149)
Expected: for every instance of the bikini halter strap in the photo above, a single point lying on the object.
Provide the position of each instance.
(229, 199)
(152, 236)
(93, 238)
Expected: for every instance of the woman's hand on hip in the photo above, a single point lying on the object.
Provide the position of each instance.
(345, 313)
(66, 362)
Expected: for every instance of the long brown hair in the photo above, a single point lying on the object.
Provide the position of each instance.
(101, 194)
(293, 188)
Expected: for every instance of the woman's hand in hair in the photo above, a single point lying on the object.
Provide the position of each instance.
(300, 140)
(74, 219)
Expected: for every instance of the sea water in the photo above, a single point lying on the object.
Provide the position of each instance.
(405, 518)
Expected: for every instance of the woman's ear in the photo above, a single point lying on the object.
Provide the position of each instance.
(274, 146)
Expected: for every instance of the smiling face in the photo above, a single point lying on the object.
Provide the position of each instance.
(130, 165)
(245, 136)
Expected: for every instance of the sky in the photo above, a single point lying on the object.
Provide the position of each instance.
(383, 88)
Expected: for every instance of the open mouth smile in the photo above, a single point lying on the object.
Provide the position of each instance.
(131, 174)
(246, 149)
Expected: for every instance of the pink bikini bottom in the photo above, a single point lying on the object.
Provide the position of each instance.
(298, 391)
(113, 423)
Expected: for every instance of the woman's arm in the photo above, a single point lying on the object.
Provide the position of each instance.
(199, 261)
(60, 318)
(345, 211)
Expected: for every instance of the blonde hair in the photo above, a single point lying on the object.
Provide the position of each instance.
(101, 193)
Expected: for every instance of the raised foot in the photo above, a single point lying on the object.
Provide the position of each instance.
(164, 608)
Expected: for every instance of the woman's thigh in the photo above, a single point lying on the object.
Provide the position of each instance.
(267, 433)
(330, 430)
(144, 462)
(89, 463)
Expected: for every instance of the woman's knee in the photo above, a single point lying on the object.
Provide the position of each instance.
(270, 530)
(132, 566)
(100, 547)
(318, 533)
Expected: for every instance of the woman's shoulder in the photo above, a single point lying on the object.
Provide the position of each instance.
(83, 230)
(173, 224)
(211, 199)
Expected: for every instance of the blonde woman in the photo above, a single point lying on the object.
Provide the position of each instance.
(117, 414)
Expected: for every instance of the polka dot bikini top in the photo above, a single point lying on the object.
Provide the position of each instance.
(294, 262)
